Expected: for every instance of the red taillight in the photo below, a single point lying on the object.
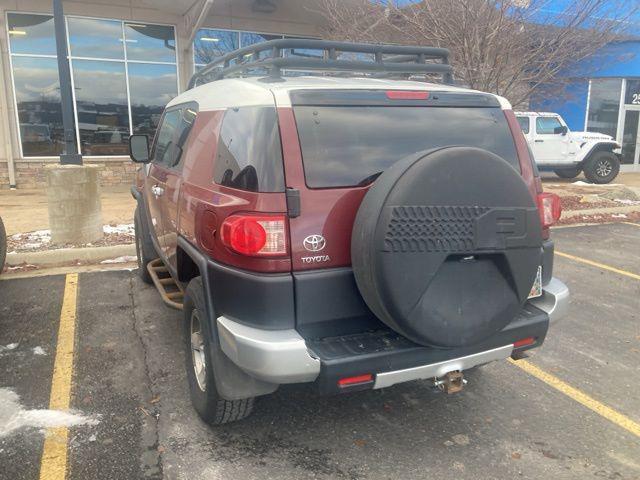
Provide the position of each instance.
(407, 95)
(255, 235)
(524, 342)
(348, 381)
(549, 208)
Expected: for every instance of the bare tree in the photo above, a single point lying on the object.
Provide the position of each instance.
(514, 48)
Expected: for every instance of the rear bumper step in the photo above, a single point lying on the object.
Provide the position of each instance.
(423, 372)
(283, 356)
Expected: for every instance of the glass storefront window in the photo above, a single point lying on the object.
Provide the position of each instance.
(39, 110)
(632, 93)
(96, 38)
(31, 34)
(151, 87)
(150, 42)
(249, 38)
(107, 111)
(101, 103)
(210, 44)
(604, 105)
(630, 136)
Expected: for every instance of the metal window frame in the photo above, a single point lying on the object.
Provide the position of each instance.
(405, 59)
(623, 85)
(239, 32)
(70, 59)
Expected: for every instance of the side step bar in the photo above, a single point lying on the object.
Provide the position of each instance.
(170, 292)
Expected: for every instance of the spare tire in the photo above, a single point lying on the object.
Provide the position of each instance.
(446, 245)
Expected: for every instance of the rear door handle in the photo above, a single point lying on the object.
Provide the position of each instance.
(157, 191)
(539, 141)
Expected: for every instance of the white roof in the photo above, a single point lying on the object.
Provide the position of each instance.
(252, 91)
(537, 114)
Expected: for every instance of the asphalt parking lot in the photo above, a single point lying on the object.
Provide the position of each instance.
(572, 411)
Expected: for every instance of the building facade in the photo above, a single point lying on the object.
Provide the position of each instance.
(127, 58)
(603, 96)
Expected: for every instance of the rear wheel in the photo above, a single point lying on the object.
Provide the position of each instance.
(568, 172)
(602, 167)
(211, 407)
(145, 251)
(3, 245)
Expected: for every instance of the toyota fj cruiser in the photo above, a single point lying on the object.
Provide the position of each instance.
(350, 232)
(568, 153)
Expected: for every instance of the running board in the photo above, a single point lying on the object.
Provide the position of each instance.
(170, 292)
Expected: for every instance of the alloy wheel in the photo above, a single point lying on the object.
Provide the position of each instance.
(198, 351)
(604, 168)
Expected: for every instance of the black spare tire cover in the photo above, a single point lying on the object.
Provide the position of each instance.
(446, 246)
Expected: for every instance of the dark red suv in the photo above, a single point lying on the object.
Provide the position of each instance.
(351, 232)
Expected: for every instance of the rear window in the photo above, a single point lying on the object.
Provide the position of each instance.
(249, 155)
(345, 146)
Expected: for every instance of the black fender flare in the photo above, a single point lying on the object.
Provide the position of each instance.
(232, 383)
(600, 147)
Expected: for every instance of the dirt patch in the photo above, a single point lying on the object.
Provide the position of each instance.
(601, 218)
(40, 240)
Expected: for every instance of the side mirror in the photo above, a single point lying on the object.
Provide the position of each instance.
(562, 130)
(139, 148)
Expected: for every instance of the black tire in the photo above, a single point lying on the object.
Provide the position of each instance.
(3, 245)
(206, 400)
(602, 167)
(145, 251)
(568, 172)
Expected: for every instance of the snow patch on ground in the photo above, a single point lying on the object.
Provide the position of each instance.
(13, 416)
(123, 259)
(580, 183)
(6, 348)
(32, 240)
(127, 228)
(626, 201)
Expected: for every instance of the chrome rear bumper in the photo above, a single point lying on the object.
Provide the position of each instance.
(554, 300)
(275, 356)
(282, 356)
(386, 379)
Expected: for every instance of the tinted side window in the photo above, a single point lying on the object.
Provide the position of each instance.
(164, 139)
(547, 125)
(187, 119)
(249, 155)
(524, 124)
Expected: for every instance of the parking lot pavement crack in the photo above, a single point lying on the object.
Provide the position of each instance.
(152, 457)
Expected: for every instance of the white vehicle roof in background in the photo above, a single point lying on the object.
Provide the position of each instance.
(537, 114)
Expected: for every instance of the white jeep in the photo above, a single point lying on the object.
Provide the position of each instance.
(568, 153)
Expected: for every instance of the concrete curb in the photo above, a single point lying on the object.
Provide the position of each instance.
(64, 256)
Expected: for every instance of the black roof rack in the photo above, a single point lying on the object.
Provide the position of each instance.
(389, 59)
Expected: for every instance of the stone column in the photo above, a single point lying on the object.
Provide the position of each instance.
(75, 209)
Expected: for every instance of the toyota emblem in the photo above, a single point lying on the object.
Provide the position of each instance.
(314, 243)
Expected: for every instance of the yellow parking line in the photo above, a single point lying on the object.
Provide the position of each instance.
(599, 265)
(580, 397)
(54, 455)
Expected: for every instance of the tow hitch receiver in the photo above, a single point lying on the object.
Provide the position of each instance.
(451, 382)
